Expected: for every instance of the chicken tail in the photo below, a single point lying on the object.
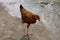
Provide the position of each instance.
(21, 6)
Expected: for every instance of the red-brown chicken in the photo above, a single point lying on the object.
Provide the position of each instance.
(28, 17)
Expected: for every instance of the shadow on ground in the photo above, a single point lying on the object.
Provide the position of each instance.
(25, 37)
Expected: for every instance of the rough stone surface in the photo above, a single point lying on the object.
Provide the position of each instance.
(11, 27)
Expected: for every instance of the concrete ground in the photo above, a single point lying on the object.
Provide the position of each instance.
(11, 28)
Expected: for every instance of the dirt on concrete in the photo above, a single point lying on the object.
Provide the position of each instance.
(11, 28)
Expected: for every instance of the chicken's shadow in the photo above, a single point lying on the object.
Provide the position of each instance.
(25, 37)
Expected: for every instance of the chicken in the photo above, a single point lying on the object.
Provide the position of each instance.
(28, 17)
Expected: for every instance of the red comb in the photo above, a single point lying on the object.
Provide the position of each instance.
(38, 17)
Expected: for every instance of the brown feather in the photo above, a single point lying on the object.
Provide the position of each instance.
(27, 16)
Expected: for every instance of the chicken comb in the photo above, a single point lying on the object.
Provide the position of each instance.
(38, 17)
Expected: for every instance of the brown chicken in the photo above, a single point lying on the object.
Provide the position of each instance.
(28, 17)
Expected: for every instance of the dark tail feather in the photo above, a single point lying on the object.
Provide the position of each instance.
(21, 6)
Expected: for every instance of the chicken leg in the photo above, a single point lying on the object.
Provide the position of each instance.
(28, 29)
(28, 33)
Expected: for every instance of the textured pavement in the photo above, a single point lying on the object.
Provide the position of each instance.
(11, 28)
